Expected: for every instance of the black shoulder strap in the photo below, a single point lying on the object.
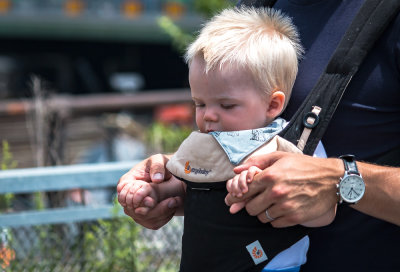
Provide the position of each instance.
(370, 22)
(256, 3)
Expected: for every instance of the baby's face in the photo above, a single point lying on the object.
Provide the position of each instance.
(227, 99)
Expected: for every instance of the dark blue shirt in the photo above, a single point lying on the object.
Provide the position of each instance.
(366, 124)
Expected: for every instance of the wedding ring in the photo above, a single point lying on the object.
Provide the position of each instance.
(268, 216)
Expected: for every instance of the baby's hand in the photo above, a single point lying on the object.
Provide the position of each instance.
(237, 186)
(141, 196)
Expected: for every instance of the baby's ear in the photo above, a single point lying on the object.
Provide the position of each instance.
(276, 103)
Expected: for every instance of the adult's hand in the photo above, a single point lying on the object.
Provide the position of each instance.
(294, 188)
(148, 214)
(151, 169)
(158, 216)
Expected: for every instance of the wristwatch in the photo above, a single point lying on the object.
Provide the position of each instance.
(351, 187)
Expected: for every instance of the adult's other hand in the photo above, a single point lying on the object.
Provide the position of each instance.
(151, 169)
(158, 216)
(294, 188)
(148, 214)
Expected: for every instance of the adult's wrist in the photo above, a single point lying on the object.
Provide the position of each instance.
(330, 171)
(336, 170)
(351, 186)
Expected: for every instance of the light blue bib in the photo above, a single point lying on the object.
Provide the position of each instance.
(239, 144)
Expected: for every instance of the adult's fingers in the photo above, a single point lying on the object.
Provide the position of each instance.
(151, 169)
(277, 222)
(260, 161)
(137, 172)
(156, 168)
(236, 207)
(268, 215)
(157, 217)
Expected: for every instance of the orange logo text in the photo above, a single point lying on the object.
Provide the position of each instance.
(188, 169)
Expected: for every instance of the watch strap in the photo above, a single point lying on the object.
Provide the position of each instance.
(350, 165)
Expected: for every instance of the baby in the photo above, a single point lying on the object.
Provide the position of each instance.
(242, 67)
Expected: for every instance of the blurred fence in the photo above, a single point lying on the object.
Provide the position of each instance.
(85, 233)
(60, 128)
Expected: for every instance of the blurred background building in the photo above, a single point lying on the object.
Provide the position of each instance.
(86, 48)
(91, 46)
(90, 81)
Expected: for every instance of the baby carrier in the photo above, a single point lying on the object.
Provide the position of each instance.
(213, 238)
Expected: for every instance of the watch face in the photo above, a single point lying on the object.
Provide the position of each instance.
(352, 188)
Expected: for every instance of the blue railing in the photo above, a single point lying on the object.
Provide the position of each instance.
(61, 178)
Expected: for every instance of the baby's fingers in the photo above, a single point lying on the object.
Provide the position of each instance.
(242, 182)
(253, 170)
(128, 193)
(233, 186)
(142, 196)
(229, 185)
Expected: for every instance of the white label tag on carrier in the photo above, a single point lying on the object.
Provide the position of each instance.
(256, 252)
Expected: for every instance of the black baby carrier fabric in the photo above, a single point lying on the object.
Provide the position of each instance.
(207, 218)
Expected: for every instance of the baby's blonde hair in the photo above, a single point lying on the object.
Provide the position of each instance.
(262, 40)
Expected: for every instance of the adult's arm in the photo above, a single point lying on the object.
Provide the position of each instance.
(297, 188)
(151, 169)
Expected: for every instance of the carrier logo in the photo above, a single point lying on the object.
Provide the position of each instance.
(256, 252)
(200, 171)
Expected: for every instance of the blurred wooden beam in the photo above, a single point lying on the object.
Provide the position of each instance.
(84, 104)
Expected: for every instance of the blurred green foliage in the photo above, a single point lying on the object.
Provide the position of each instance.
(7, 162)
(109, 245)
(206, 8)
(166, 138)
(179, 38)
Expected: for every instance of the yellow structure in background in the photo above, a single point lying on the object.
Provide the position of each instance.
(74, 7)
(174, 9)
(132, 8)
(5, 6)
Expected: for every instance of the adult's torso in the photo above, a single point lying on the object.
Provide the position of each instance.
(366, 124)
